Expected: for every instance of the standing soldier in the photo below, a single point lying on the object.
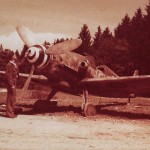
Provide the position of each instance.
(11, 75)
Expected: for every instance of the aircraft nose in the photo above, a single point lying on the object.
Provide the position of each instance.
(29, 51)
(32, 51)
(33, 54)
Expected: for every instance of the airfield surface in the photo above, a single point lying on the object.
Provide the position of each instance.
(116, 125)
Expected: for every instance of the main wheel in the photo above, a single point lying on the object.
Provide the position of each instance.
(89, 110)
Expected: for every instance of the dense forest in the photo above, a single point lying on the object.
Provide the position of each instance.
(125, 50)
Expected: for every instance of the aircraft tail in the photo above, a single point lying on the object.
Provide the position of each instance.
(136, 73)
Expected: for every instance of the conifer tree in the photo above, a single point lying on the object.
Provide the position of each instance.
(136, 38)
(97, 38)
(145, 56)
(106, 33)
(123, 29)
(85, 36)
(46, 43)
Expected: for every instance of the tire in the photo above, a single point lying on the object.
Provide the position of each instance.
(89, 110)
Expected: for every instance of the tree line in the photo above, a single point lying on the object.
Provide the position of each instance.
(125, 50)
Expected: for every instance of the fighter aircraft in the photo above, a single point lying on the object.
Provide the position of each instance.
(63, 68)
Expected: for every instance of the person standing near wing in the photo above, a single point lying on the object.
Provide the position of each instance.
(12, 74)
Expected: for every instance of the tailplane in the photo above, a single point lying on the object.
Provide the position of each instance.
(136, 73)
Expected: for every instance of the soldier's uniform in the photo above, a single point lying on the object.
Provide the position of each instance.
(11, 76)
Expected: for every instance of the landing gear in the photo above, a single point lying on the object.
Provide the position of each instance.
(129, 98)
(52, 94)
(129, 101)
(46, 105)
(88, 108)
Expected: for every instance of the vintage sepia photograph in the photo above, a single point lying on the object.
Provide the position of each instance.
(74, 75)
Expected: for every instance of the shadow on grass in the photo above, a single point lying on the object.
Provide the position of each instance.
(103, 109)
(120, 113)
(43, 106)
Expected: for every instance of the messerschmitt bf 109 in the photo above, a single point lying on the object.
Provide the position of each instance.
(63, 68)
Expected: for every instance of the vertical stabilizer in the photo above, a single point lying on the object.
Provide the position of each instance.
(136, 73)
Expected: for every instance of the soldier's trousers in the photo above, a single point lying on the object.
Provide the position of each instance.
(11, 101)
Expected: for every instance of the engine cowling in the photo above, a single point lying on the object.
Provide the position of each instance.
(82, 69)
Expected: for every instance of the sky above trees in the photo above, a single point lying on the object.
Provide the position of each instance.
(65, 16)
(124, 51)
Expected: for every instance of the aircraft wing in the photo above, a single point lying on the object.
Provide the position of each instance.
(23, 75)
(118, 86)
(2, 74)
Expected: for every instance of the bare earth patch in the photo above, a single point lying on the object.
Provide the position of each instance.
(116, 125)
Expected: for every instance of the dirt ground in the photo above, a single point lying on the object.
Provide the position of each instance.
(116, 125)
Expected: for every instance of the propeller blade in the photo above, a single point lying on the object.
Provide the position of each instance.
(26, 85)
(64, 47)
(26, 35)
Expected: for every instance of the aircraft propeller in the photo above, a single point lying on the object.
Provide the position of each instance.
(26, 35)
(26, 85)
(28, 38)
(66, 46)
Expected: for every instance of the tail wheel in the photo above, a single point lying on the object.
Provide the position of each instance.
(89, 109)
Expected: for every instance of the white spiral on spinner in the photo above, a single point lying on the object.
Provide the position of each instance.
(33, 54)
(38, 57)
